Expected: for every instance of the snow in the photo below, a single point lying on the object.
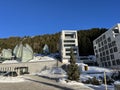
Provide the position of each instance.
(63, 81)
(53, 73)
(117, 82)
(94, 71)
(11, 79)
(41, 58)
(10, 61)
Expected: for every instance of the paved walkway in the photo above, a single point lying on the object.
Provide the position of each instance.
(40, 83)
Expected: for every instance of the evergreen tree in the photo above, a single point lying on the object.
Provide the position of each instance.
(73, 69)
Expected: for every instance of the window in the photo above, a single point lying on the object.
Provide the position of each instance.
(109, 63)
(108, 58)
(109, 39)
(69, 45)
(105, 42)
(94, 47)
(102, 48)
(106, 64)
(96, 51)
(103, 36)
(106, 47)
(100, 54)
(113, 62)
(69, 41)
(115, 30)
(112, 56)
(99, 49)
(103, 53)
(111, 50)
(113, 43)
(110, 45)
(118, 61)
(104, 59)
(115, 49)
(107, 52)
(98, 44)
(101, 60)
(102, 43)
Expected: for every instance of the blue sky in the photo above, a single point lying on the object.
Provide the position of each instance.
(38, 17)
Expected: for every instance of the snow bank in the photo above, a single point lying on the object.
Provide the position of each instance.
(117, 82)
(10, 61)
(63, 81)
(41, 58)
(93, 69)
(53, 73)
(11, 79)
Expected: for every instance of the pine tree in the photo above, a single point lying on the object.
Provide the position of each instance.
(73, 69)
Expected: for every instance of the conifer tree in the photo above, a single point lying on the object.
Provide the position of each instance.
(73, 69)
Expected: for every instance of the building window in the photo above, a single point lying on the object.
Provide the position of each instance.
(102, 43)
(110, 45)
(106, 47)
(102, 48)
(112, 56)
(96, 51)
(113, 43)
(115, 30)
(109, 63)
(103, 53)
(94, 47)
(111, 50)
(99, 45)
(69, 41)
(113, 62)
(118, 61)
(103, 36)
(100, 54)
(99, 49)
(106, 64)
(101, 60)
(104, 59)
(115, 49)
(108, 58)
(109, 39)
(69, 45)
(107, 52)
(105, 42)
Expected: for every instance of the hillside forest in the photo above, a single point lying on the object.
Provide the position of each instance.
(85, 41)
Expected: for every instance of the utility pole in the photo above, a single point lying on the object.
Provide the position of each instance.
(105, 80)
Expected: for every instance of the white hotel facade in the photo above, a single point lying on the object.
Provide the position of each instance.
(68, 40)
(107, 48)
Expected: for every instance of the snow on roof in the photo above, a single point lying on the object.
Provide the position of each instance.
(10, 61)
(11, 79)
(41, 58)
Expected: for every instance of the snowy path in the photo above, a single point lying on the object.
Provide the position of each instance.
(39, 83)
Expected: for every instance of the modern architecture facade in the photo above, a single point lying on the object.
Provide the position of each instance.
(107, 48)
(68, 40)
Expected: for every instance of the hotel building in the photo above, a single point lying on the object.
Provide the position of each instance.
(107, 48)
(68, 40)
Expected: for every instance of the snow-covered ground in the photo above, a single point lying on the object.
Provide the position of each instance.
(41, 58)
(60, 74)
(10, 61)
(11, 79)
